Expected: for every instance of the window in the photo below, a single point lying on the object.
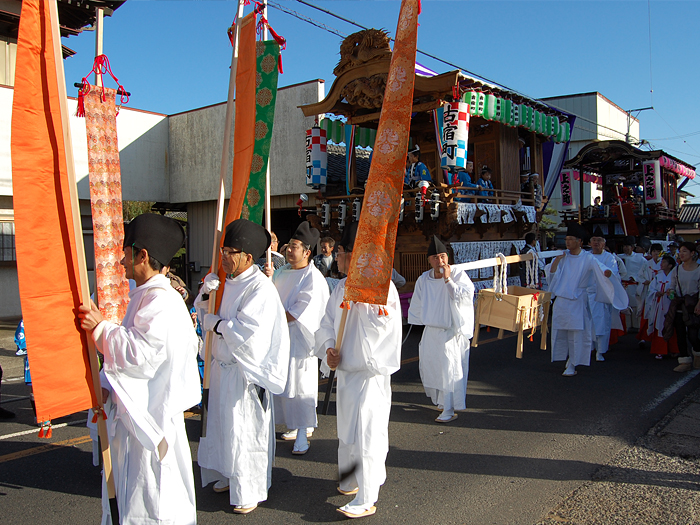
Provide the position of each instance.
(7, 242)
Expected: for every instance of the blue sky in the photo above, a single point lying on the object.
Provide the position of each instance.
(175, 55)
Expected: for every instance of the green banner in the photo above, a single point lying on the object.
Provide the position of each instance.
(265, 96)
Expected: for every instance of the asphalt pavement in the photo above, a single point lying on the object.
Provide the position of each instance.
(618, 443)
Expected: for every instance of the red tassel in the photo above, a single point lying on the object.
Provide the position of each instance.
(279, 39)
(95, 414)
(488, 328)
(104, 415)
(49, 432)
(41, 432)
(81, 105)
(419, 7)
(530, 337)
(279, 64)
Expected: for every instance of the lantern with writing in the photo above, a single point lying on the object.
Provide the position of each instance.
(316, 157)
(652, 182)
(454, 134)
(568, 201)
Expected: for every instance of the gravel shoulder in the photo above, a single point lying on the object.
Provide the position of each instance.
(655, 481)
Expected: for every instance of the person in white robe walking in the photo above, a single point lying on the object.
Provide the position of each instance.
(149, 379)
(634, 262)
(370, 353)
(601, 313)
(304, 294)
(443, 302)
(570, 275)
(250, 361)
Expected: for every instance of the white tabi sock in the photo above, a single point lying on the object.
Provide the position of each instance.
(301, 441)
(449, 406)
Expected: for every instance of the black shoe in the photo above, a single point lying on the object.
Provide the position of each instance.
(6, 414)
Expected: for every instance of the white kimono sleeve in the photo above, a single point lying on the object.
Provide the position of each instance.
(258, 339)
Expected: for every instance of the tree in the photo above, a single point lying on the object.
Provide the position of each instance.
(132, 209)
(549, 223)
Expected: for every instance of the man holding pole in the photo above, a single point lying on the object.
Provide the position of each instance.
(443, 302)
(304, 294)
(365, 358)
(149, 379)
(250, 361)
(570, 275)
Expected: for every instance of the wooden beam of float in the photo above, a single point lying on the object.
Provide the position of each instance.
(495, 261)
(417, 108)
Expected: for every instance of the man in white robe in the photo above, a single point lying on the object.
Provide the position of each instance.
(633, 262)
(250, 362)
(601, 313)
(370, 352)
(304, 294)
(149, 379)
(570, 276)
(443, 302)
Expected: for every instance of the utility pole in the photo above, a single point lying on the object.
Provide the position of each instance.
(629, 121)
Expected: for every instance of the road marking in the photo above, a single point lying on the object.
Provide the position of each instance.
(44, 448)
(16, 398)
(665, 394)
(36, 430)
(13, 379)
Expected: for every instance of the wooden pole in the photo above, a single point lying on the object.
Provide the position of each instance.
(99, 39)
(80, 256)
(331, 376)
(268, 207)
(510, 259)
(622, 212)
(220, 213)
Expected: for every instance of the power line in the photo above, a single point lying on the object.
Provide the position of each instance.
(651, 83)
(306, 19)
(434, 57)
(336, 32)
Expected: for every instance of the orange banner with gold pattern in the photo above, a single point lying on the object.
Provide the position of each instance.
(112, 287)
(373, 253)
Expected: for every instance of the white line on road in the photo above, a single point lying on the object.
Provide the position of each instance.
(14, 398)
(669, 391)
(13, 379)
(36, 430)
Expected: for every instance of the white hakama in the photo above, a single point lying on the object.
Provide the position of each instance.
(370, 353)
(447, 312)
(250, 363)
(150, 369)
(304, 294)
(571, 315)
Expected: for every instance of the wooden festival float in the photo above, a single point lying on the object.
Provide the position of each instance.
(640, 190)
(503, 130)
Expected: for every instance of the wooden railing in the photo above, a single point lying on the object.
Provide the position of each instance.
(611, 211)
(449, 193)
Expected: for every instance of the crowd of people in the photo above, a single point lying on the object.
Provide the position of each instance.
(276, 324)
(648, 291)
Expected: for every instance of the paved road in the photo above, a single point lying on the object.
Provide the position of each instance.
(528, 439)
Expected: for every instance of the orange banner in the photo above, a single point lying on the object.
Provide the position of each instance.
(47, 267)
(373, 253)
(244, 130)
(112, 287)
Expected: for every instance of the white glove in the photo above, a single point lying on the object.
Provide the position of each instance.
(209, 322)
(211, 283)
